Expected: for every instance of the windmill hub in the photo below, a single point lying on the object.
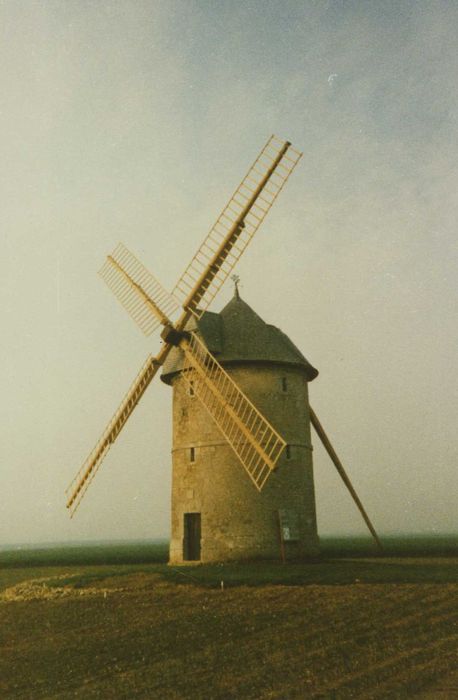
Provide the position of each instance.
(173, 336)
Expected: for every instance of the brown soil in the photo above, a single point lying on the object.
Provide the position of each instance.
(138, 636)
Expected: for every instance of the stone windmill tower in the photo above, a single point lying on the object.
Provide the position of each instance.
(249, 408)
(217, 515)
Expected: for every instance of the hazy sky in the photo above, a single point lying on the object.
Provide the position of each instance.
(135, 121)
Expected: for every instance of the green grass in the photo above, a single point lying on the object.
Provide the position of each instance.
(157, 551)
(80, 563)
(393, 545)
(342, 561)
(86, 554)
(329, 572)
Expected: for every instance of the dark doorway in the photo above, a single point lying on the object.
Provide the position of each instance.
(191, 540)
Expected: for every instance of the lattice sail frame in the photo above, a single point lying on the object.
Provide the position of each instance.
(78, 487)
(255, 442)
(236, 226)
(146, 300)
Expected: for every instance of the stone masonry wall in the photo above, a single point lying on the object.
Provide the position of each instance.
(237, 521)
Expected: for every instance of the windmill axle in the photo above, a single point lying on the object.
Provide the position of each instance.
(172, 336)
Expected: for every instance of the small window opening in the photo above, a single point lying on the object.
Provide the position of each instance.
(191, 388)
(192, 454)
(284, 384)
(288, 451)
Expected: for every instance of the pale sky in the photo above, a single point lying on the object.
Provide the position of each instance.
(135, 121)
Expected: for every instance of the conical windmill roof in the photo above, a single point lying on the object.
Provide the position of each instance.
(238, 335)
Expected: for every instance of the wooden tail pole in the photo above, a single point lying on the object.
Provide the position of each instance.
(343, 474)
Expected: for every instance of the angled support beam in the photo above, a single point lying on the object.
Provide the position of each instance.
(343, 474)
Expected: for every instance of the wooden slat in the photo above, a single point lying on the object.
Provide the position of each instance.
(210, 273)
(143, 297)
(83, 478)
(255, 442)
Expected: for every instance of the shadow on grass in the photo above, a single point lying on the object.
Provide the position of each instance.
(343, 561)
(330, 572)
(324, 572)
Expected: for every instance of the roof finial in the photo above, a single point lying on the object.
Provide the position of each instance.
(236, 280)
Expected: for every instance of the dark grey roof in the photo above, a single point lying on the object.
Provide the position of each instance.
(237, 334)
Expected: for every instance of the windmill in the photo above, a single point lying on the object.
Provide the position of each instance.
(245, 431)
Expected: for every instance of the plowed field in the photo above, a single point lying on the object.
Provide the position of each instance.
(139, 635)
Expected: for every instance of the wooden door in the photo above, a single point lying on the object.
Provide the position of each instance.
(191, 539)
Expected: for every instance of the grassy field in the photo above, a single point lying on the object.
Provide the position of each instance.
(114, 621)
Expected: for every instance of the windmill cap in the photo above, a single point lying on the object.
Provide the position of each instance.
(238, 335)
